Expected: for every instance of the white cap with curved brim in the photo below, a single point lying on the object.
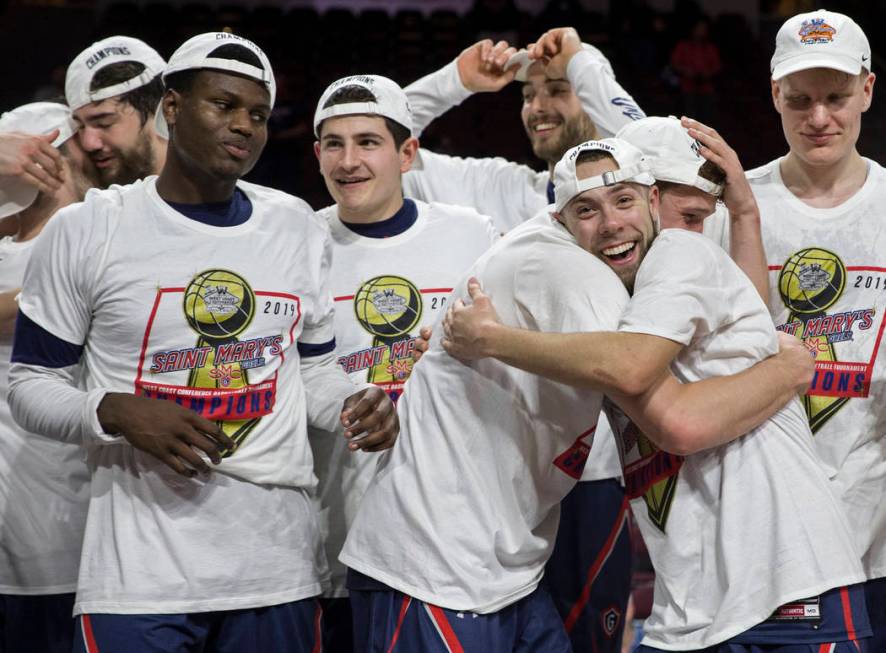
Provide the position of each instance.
(820, 39)
(35, 118)
(521, 58)
(673, 155)
(112, 50)
(390, 101)
(632, 168)
(196, 54)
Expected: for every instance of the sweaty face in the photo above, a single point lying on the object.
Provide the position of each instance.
(614, 223)
(118, 144)
(821, 113)
(552, 115)
(220, 126)
(362, 167)
(685, 207)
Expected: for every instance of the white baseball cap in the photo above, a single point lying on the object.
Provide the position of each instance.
(390, 101)
(820, 39)
(672, 154)
(632, 168)
(35, 118)
(521, 58)
(114, 49)
(196, 54)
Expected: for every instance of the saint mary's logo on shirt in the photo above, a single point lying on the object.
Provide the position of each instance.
(813, 285)
(212, 375)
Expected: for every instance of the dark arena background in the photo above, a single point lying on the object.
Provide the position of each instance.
(312, 43)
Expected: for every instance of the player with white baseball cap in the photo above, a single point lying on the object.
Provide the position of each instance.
(821, 209)
(472, 489)
(750, 544)
(394, 263)
(197, 307)
(113, 87)
(44, 484)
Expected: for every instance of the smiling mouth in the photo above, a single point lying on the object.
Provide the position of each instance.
(544, 127)
(351, 182)
(102, 162)
(619, 252)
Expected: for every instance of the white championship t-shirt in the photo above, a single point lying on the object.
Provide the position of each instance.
(463, 512)
(828, 286)
(209, 317)
(44, 484)
(385, 290)
(735, 531)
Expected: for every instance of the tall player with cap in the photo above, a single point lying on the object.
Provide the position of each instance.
(44, 485)
(197, 306)
(394, 263)
(741, 532)
(113, 87)
(473, 487)
(821, 207)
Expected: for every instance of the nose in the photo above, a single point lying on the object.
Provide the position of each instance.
(539, 102)
(241, 122)
(350, 158)
(610, 222)
(90, 139)
(819, 116)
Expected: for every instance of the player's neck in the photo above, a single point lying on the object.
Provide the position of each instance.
(370, 215)
(185, 184)
(824, 187)
(159, 146)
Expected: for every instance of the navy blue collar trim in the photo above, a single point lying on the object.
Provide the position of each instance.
(551, 198)
(404, 218)
(230, 213)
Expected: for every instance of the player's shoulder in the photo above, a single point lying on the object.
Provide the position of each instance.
(681, 246)
(278, 204)
(763, 174)
(452, 214)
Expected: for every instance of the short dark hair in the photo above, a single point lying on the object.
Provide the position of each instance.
(590, 156)
(183, 80)
(143, 99)
(355, 93)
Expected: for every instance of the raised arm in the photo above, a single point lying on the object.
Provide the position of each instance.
(746, 240)
(32, 159)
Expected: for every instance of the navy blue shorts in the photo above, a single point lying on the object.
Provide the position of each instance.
(388, 621)
(36, 623)
(589, 573)
(338, 636)
(841, 628)
(875, 596)
(286, 628)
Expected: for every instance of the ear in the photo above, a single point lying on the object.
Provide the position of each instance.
(776, 95)
(317, 149)
(171, 104)
(558, 217)
(408, 152)
(868, 91)
(654, 199)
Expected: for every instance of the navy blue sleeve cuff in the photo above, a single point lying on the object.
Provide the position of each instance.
(34, 345)
(307, 349)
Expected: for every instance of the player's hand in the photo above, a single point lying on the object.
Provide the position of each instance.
(469, 328)
(173, 435)
(370, 420)
(421, 343)
(798, 361)
(481, 67)
(32, 159)
(556, 47)
(737, 194)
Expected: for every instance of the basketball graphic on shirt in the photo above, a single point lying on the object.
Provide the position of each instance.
(219, 304)
(811, 280)
(388, 306)
(809, 283)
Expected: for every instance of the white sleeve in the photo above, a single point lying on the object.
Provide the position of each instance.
(677, 292)
(609, 105)
(435, 94)
(326, 388)
(508, 192)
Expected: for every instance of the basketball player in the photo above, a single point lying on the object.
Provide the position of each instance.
(394, 264)
(197, 305)
(568, 99)
(821, 207)
(472, 490)
(44, 488)
(114, 87)
(738, 530)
